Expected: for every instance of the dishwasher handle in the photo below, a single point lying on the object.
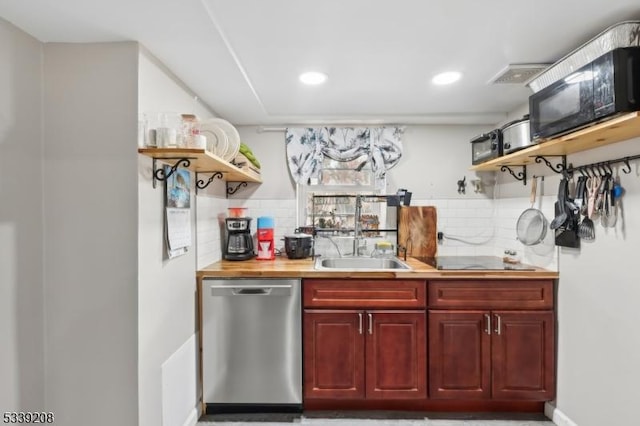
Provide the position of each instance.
(251, 290)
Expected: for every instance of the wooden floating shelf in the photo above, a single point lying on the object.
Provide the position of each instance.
(202, 161)
(611, 131)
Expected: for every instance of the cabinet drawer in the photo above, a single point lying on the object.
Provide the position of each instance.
(364, 294)
(488, 294)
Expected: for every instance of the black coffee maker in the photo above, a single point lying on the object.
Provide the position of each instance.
(239, 240)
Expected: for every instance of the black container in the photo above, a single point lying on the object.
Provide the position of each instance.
(298, 246)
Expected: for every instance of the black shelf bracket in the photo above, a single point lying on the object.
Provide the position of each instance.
(521, 176)
(558, 168)
(159, 173)
(231, 191)
(201, 184)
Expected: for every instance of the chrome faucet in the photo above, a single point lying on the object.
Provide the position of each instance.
(356, 226)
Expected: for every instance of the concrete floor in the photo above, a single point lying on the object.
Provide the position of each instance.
(378, 419)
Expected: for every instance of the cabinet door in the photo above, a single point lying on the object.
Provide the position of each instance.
(459, 355)
(333, 354)
(523, 355)
(396, 354)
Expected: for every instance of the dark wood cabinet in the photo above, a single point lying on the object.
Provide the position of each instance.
(364, 354)
(488, 344)
(396, 351)
(459, 355)
(333, 354)
(506, 354)
(523, 346)
(364, 294)
(376, 350)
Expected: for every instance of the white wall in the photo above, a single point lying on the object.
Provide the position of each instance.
(21, 298)
(90, 232)
(166, 292)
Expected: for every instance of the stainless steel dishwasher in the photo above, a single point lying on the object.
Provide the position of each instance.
(251, 345)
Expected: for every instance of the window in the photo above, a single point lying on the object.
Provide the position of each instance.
(333, 211)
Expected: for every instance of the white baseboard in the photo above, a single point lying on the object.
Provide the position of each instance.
(192, 419)
(557, 416)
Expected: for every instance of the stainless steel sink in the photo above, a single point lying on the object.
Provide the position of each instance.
(361, 264)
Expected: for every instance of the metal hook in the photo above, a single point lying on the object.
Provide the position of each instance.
(627, 168)
(581, 170)
(591, 170)
(607, 166)
(599, 169)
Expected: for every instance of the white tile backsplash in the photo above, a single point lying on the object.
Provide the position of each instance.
(472, 227)
(210, 214)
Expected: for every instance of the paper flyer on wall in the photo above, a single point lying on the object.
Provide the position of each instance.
(178, 228)
(178, 212)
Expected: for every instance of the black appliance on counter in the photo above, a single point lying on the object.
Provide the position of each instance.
(239, 240)
(455, 263)
(298, 245)
(608, 85)
(486, 146)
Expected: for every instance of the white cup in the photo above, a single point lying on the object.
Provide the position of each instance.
(166, 137)
(198, 141)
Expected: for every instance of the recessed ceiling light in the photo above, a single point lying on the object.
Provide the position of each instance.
(313, 78)
(446, 78)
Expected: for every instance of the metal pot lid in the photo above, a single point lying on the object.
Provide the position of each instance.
(524, 118)
(299, 235)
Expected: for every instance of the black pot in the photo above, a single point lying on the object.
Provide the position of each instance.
(298, 246)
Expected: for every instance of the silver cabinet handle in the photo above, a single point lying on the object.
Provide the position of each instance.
(370, 323)
(360, 322)
(498, 324)
(488, 328)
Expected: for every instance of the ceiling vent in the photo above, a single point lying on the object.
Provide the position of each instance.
(518, 73)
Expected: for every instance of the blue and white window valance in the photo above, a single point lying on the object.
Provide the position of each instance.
(306, 148)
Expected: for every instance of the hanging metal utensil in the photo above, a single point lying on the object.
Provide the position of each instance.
(586, 229)
(561, 216)
(531, 227)
(610, 216)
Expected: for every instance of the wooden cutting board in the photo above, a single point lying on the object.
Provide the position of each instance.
(417, 230)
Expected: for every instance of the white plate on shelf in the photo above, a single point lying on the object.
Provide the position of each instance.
(217, 141)
(233, 137)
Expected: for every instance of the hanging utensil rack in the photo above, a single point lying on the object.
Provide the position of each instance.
(592, 167)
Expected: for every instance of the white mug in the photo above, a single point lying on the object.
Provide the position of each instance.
(166, 137)
(198, 141)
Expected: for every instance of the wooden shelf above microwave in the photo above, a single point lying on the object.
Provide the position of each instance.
(611, 131)
(202, 161)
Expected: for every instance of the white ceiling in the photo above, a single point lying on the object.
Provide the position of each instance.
(243, 57)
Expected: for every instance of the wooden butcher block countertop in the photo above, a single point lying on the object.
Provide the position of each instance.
(303, 268)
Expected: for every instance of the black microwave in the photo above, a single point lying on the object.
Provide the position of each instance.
(607, 86)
